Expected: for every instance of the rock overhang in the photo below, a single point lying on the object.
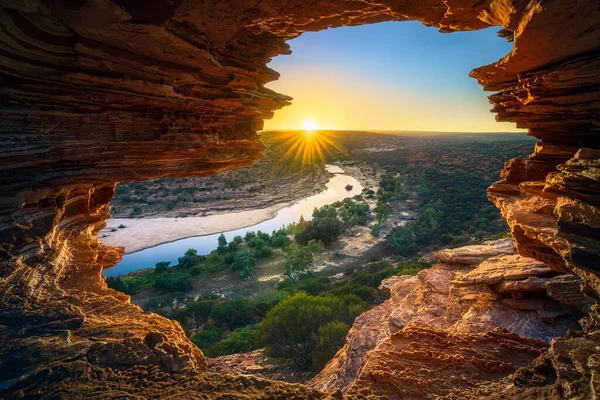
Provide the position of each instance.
(96, 92)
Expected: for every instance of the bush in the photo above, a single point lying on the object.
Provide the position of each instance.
(116, 283)
(312, 285)
(446, 238)
(161, 266)
(349, 187)
(291, 328)
(360, 291)
(244, 262)
(207, 337)
(197, 270)
(195, 313)
(173, 283)
(190, 259)
(234, 313)
(241, 341)
(330, 338)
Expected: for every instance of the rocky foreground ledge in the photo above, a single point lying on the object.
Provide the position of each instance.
(477, 316)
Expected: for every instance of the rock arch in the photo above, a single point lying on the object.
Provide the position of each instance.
(95, 92)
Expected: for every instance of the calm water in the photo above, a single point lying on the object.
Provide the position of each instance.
(147, 258)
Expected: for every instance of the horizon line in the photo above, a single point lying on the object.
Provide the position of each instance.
(392, 130)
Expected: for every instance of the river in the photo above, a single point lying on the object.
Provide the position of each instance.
(147, 258)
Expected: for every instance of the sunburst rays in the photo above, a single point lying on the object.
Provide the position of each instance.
(308, 148)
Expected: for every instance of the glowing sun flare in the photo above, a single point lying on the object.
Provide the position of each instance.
(309, 125)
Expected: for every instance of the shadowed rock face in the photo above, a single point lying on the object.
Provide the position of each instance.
(95, 92)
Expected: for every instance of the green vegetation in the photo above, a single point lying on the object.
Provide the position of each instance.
(305, 319)
(448, 181)
(245, 186)
(328, 222)
(292, 328)
(442, 184)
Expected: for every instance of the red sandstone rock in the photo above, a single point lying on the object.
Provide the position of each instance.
(96, 92)
(470, 255)
(440, 301)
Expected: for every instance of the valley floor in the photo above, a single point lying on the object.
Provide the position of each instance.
(142, 233)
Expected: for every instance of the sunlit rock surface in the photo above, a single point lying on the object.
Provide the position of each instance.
(453, 303)
(96, 92)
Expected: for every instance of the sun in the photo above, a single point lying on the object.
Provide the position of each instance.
(309, 125)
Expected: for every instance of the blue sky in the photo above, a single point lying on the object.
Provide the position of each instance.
(392, 75)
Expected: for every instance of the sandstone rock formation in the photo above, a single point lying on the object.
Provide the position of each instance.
(460, 300)
(97, 91)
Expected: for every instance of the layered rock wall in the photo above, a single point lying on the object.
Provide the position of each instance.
(94, 92)
(484, 295)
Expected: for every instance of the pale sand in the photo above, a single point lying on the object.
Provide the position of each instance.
(142, 233)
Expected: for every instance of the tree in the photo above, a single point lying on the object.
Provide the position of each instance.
(244, 262)
(173, 283)
(162, 266)
(280, 238)
(325, 226)
(242, 340)
(349, 187)
(234, 313)
(290, 329)
(330, 338)
(297, 261)
(222, 244)
(382, 211)
(235, 243)
(249, 235)
(197, 312)
(189, 259)
(315, 247)
(349, 219)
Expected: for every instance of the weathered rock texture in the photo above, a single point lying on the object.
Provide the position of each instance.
(96, 91)
(463, 299)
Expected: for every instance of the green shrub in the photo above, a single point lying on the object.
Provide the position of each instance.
(197, 270)
(241, 341)
(209, 335)
(234, 313)
(161, 266)
(291, 328)
(244, 262)
(330, 338)
(173, 283)
(190, 259)
(446, 238)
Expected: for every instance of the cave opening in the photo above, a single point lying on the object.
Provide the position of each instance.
(416, 79)
(196, 284)
(101, 92)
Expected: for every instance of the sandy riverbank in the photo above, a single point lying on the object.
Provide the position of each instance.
(142, 233)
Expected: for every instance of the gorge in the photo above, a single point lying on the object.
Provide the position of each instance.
(96, 92)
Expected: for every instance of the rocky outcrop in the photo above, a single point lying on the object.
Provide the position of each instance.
(97, 91)
(482, 295)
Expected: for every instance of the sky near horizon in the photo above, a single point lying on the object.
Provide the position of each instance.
(388, 76)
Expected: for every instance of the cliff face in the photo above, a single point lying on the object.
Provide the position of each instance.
(482, 309)
(96, 92)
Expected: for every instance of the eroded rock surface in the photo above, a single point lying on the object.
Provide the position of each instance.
(96, 91)
(449, 305)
